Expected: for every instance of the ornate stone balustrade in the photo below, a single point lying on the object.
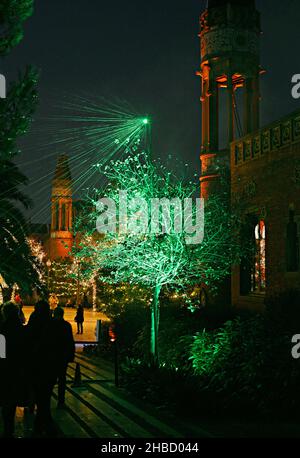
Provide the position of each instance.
(268, 139)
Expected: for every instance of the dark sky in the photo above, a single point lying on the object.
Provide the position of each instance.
(146, 53)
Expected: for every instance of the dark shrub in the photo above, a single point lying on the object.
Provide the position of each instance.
(242, 368)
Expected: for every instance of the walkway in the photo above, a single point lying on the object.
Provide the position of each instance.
(98, 409)
(89, 325)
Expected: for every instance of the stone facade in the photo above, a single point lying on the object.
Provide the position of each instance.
(265, 177)
(264, 162)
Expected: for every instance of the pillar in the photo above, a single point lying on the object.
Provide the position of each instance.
(59, 216)
(230, 109)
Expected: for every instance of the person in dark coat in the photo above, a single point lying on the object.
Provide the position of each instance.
(65, 347)
(42, 366)
(79, 318)
(13, 381)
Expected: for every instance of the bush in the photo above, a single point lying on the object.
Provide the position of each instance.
(248, 361)
(242, 368)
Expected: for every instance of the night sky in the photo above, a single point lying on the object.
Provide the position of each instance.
(146, 53)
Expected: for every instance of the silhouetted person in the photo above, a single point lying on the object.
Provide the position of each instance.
(79, 318)
(12, 381)
(65, 348)
(42, 366)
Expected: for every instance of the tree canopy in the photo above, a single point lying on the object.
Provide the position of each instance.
(167, 256)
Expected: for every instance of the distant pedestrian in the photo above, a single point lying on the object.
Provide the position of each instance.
(65, 349)
(79, 318)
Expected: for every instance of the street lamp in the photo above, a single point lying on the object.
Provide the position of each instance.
(48, 264)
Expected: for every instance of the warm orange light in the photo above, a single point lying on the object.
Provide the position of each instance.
(112, 334)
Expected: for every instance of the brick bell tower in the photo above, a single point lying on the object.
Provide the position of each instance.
(230, 32)
(61, 237)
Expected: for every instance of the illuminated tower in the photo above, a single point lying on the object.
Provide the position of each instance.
(230, 31)
(61, 210)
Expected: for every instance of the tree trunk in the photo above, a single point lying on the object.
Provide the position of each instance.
(155, 326)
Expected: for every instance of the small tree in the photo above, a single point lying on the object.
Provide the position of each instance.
(151, 252)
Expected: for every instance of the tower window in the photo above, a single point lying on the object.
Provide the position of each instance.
(63, 217)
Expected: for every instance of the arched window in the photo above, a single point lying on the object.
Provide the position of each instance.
(259, 272)
(292, 244)
(253, 265)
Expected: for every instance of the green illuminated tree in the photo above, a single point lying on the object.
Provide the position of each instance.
(163, 255)
(17, 264)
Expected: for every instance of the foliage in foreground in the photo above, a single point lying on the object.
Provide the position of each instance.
(243, 368)
(17, 263)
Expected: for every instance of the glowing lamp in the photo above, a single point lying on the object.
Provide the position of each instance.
(112, 334)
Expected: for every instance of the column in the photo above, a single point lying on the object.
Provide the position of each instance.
(256, 102)
(251, 104)
(59, 216)
(230, 109)
(70, 216)
(213, 98)
(205, 115)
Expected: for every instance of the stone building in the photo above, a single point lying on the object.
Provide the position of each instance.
(265, 173)
(61, 237)
(57, 238)
(264, 163)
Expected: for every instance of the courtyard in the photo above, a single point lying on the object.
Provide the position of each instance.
(89, 325)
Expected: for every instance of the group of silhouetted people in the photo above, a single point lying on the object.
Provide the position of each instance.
(37, 356)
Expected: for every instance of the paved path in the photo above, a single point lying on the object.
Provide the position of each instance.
(89, 325)
(99, 410)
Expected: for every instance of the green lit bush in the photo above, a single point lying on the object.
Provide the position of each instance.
(242, 368)
(248, 361)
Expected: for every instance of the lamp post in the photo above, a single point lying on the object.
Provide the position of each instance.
(113, 338)
(48, 264)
